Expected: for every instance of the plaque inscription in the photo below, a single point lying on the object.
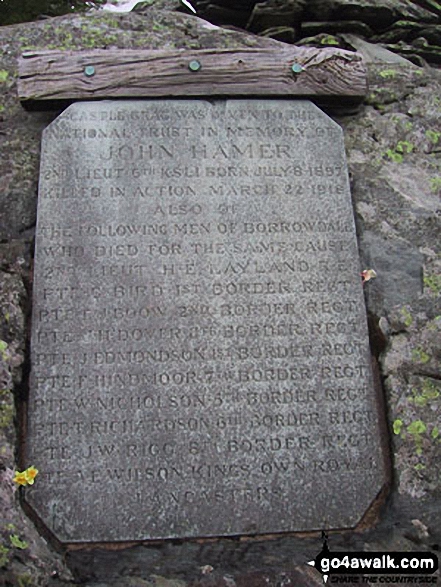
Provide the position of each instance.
(200, 361)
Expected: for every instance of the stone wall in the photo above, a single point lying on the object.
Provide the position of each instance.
(393, 144)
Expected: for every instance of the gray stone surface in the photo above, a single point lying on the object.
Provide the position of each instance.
(200, 364)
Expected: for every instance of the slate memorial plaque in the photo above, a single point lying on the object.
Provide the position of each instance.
(200, 360)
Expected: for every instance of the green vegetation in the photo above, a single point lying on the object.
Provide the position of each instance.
(17, 543)
(407, 317)
(401, 148)
(424, 395)
(404, 124)
(3, 555)
(3, 347)
(398, 426)
(329, 40)
(433, 136)
(435, 183)
(416, 429)
(90, 36)
(420, 356)
(394, 156)
(25, 580)
(404, 147)
(92, 40)
(433, 282)
(3, 75)
(388, 73)
(434, 324)
(6, 410)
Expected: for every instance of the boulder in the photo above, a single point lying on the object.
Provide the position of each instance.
(355, 27)
(396, 23)
(323, 40)
(273, 13)
(401, 30)
(431, 5)
(226, 15)
(419, 51)
(378, 15)
(285, 34)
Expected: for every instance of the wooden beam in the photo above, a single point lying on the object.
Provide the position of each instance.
(126, 73)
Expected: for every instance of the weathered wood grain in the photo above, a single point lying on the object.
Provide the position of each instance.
(61, 75)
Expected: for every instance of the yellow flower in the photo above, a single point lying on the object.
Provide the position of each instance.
(26, 477)
(20, 478)
(31, 473)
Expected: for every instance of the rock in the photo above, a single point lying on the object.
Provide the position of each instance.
(20, 543)
(373, 53)
(399, 272)
(323, 22)
(411, 366)
(422, 51)
(18, 208)
(242, 5)
(421, 530)
(431, 5)
(285, 34)
(274, 13)
(354, 27)
(401, 30)
(300, 576)
(12, 349)
(14, 254)
(225, 15)
(177, 5)
(391, 21)
(163, 582)
(323, 40)
(398, 239)
(19, 165)
(378, 15)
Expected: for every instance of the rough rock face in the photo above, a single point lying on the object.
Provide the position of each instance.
(394, 151)
(394, 157)
(408, 27)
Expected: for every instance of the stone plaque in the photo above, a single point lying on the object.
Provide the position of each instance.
(200, 361)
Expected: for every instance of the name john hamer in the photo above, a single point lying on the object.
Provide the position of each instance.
(200, 151)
